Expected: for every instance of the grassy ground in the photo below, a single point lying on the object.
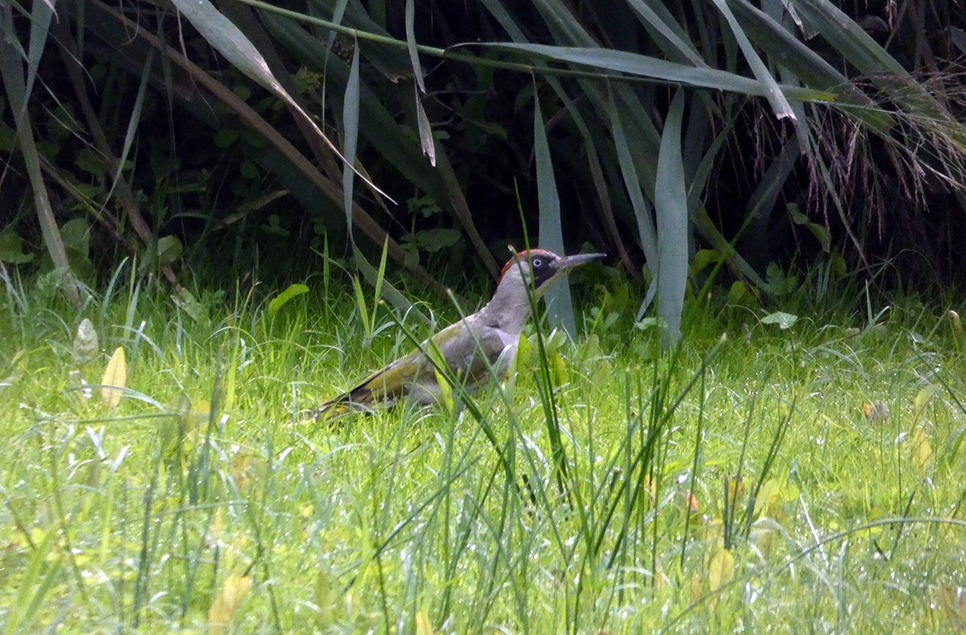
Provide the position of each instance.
(799, 480)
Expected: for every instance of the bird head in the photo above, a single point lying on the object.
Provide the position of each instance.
(541, 268)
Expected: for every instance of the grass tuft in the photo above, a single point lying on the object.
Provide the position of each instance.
(807, 469)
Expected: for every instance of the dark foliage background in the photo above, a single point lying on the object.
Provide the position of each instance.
(215, 168)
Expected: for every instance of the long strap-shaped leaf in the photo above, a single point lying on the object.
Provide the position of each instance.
(770, 87)
(660, 70)
(671, 207)
(559, 303)
(228, 40)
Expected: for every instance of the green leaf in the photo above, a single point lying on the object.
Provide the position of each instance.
(642, 212)
(660, 70)
(426, 139)
(559, 304)
(783, 320)
(350, 133)
(437, 239)
(229, 40)
(11, 250)
(819, 231)
(283, 298)
(76, 235)
(225, 137)
(188, 303)
(671, 209)
(169, 250)
(924, 397)
(411, 45)
(703, 258)
(769, 86)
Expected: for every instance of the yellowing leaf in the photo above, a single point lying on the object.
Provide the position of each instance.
(223, 608)
(921, 450)
(114, 379)
(721, 569)
(326, 585)
(558, 367)
(423, 625)
(768, 495)
(924, 397)
(195, 415)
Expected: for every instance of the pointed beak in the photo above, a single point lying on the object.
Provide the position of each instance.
(569, 262)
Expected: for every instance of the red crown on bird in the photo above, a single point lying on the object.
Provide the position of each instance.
(523, 255)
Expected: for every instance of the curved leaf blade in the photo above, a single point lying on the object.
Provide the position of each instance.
(559, 304)
(671, 207)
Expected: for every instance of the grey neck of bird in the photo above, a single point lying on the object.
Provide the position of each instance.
(510, 307)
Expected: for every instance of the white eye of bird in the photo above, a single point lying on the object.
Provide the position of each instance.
(538, 263)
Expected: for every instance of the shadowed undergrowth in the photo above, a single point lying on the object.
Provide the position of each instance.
(811, 471)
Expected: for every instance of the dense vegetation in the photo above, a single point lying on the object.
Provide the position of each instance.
(158, 477)
(673, 136)
(217, 213)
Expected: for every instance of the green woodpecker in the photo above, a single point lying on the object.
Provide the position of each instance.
(493, 331)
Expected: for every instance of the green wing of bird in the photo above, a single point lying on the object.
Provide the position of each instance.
(397, 380)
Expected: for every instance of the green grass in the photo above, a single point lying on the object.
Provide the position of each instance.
(203, 497)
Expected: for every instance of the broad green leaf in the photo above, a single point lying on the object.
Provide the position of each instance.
(187, 302)
(11, 250)
(169, 250)
(76, 235)
(294, 290)
(632, 184)
(921, 450)
(703, 258)
(783, 320)
(41, 12)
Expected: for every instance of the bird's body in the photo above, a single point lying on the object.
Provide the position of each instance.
(488, 338)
